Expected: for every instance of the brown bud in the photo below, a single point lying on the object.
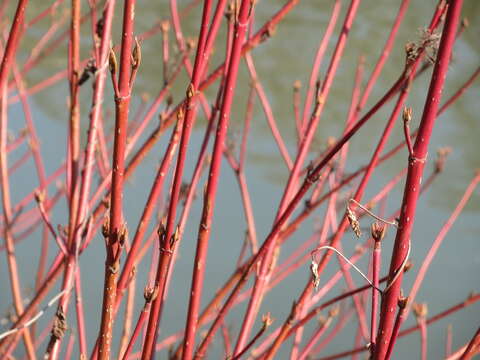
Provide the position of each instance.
(106, 227)
(123, 234)
(136, 55)
(407, 114)
(165, 26)
(297, 85)
(169, 100)
(175, 236)
(162, 230)
(150, 293)
(180, 114)
(407, 266)
(334, 311)
(112, 62)
(190, 91)
(420, 310)
(402, 301)
(39, 196)
(267, 320)
(442, 154)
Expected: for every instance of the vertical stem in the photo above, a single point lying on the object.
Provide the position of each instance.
(116, 230)
(414, 176)
(441, 235)
(7, 62)
(7, 221)
(213, 178)
(263, 275)
(378, 231)
(448, 341)
(402, 303)
(74, 121)
(82, 338)
(167, 245)
(87, 172)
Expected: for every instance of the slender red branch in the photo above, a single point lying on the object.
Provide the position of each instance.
(213, 178)
(416, 165)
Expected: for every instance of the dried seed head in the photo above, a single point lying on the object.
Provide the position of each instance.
(354, 224)
(378, 231)
(59, 324)
(316, 277)
(429, 41)
(411, 52)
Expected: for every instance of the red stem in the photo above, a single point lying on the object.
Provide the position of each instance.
(113, 242)
(167, 245)
(416, 164)
(263, 275)
(312, 84)
(82, 337)
(441, 235)
(213, 178)
(315, 337)
(7, 62)
(268, 111)
(74, 237)
(401, 316)
(141, 320)
(469, 351)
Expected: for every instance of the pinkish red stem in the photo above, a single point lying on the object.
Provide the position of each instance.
(414, 176)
